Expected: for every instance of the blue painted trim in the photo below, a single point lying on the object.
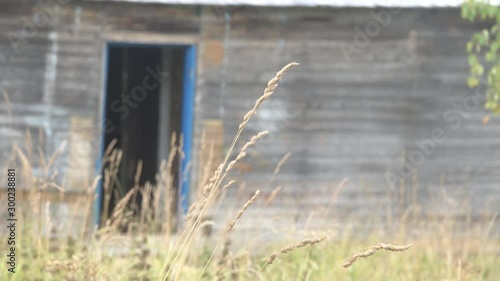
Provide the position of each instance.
(102, 130)
(189, 85)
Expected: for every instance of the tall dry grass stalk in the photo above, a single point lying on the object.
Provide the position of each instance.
(8, 104)
(273, 195)
(110, 180)
(293, 246)
(276, 171)
(339, 188)
(243, 209)
(87, 204)
(166, 180)
(278, 167)
(367, 253)
(120, 213)
(243, 151)
(224, 236)
(223, 259)
(187, 236)
(373, 250)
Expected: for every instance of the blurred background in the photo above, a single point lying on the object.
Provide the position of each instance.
(117, 114)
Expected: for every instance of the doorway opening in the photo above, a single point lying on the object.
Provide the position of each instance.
(148, 96)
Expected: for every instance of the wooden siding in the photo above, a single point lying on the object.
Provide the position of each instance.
(339, 118)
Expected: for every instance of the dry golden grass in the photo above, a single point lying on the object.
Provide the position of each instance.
(373, 250)
(243, 209)
(291, 247)
(126, 248)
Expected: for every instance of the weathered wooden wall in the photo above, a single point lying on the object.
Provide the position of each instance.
(339, 118)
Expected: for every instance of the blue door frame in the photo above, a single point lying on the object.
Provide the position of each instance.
(189, 89)
(189, 85)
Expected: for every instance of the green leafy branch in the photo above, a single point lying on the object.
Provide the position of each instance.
(483, 50)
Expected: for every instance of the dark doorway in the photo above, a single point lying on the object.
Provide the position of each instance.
(144, 97)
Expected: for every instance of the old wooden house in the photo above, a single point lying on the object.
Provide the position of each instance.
(379, 98)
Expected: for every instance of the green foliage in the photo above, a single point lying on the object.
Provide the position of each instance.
(483, 50)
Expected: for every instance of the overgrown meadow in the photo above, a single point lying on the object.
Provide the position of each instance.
(142, 242)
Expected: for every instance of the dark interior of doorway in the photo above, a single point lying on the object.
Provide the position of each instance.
(143, 105)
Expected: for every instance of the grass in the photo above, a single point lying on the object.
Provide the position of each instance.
(139, 243)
